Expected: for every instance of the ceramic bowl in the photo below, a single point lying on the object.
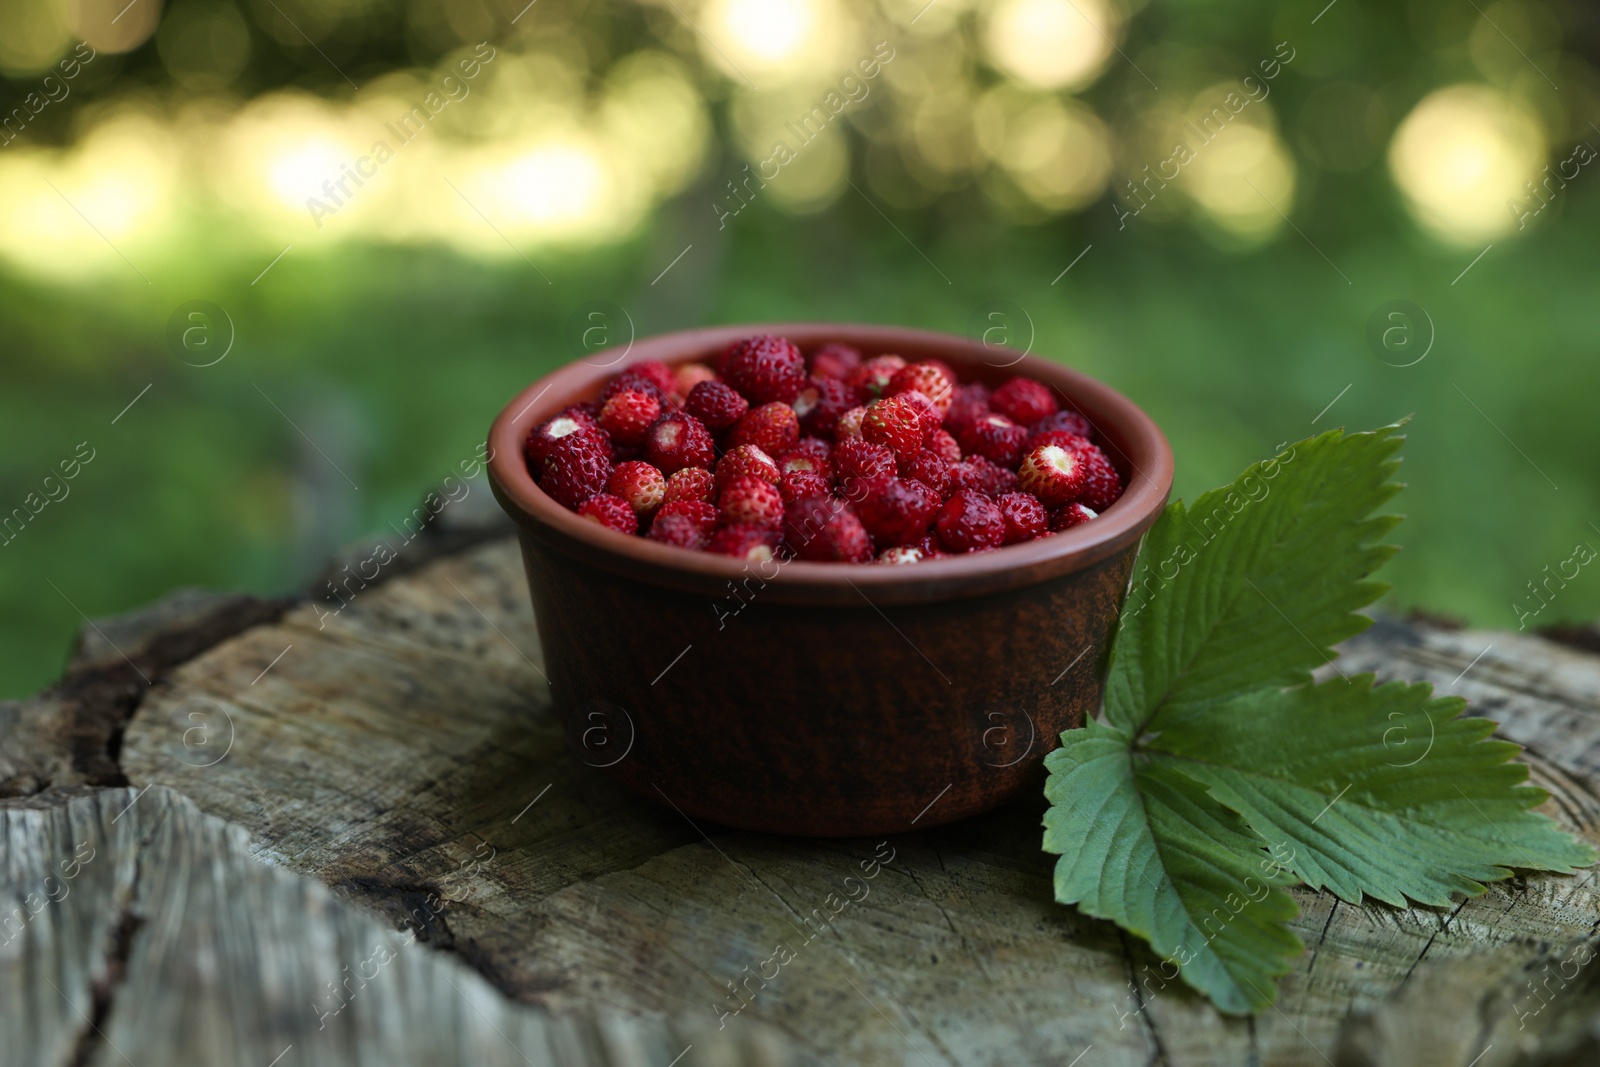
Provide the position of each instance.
(826, 699)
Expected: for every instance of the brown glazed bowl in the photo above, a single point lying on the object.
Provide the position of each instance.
(826, 699)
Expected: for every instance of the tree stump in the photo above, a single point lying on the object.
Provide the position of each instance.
(230, 826)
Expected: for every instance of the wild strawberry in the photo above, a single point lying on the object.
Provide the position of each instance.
(577, 467)
(826, 531)
(926, 467)
(774, 428)
(980, 475)
(612, 512)
(640, 484)
(849, 424)
(690, 483)
(855, 459)
(814, 449)
(689, 375)
(873, 377)
(744, 460)
(820, 402)
(1060, 438)
(1068, 421)
(926, 411)
(792, 485)
(1025, 517)
(834, 361)
(748, 499)
(766, 370)
(995, 437)
(655, 371)
(627, 417)
(639, 383)
(927, 379)
(941, 443)
(716, 405)
(744, 541)
(1066, 518)
(897, 511)
(678, 440)
(543, 437)
(697, 511)
(681, 531)
(969, 404)
(1053, 474)
(1102, 484)
(1024, 401)
(901, 554)
(970, 522)
(896, 422)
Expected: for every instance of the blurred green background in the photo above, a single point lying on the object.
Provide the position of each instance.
(1257, 219)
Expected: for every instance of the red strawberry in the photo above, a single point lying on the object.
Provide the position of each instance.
(792, 485)
(1102, 484)
(1069, 421)
(813, 448)
(690, 483)
(627, 417)
(995, 437)
(834, 361)
(748, 499)
(942, 443)
(849, 424)
(1061, 438)
(640, 484)
(820, 403)
(873, 377)
(639, 383)
(928, 468)
(855, 459)
(716, 405)
(766, 370)
(1068, 517)
(744, 541)
(677, 441)
(612, 512)
(925, 378)
(901, 554)
(696, 510)
(689, 375)
(970, 522)
(897, 511)
(970, 403)
(826, 531)
(980, 475)
(896, 422)
(655, 371)
(543, 437)
(774, 428)
(1023, 400)
(577, 467)
(679, 530)
(1025, 517)
(1053, 474)
(745, 460)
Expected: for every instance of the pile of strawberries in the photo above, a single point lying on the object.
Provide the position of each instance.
(835, 458)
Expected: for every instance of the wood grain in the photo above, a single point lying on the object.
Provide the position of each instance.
(397, 765)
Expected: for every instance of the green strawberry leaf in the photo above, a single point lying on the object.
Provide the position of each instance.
(1255, 583)
(1214, 747)
(1151, 850)
(1383, 791)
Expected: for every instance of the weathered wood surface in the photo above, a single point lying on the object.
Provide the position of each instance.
(401, 753)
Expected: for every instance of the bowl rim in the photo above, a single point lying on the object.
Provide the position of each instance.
(1138, 446)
